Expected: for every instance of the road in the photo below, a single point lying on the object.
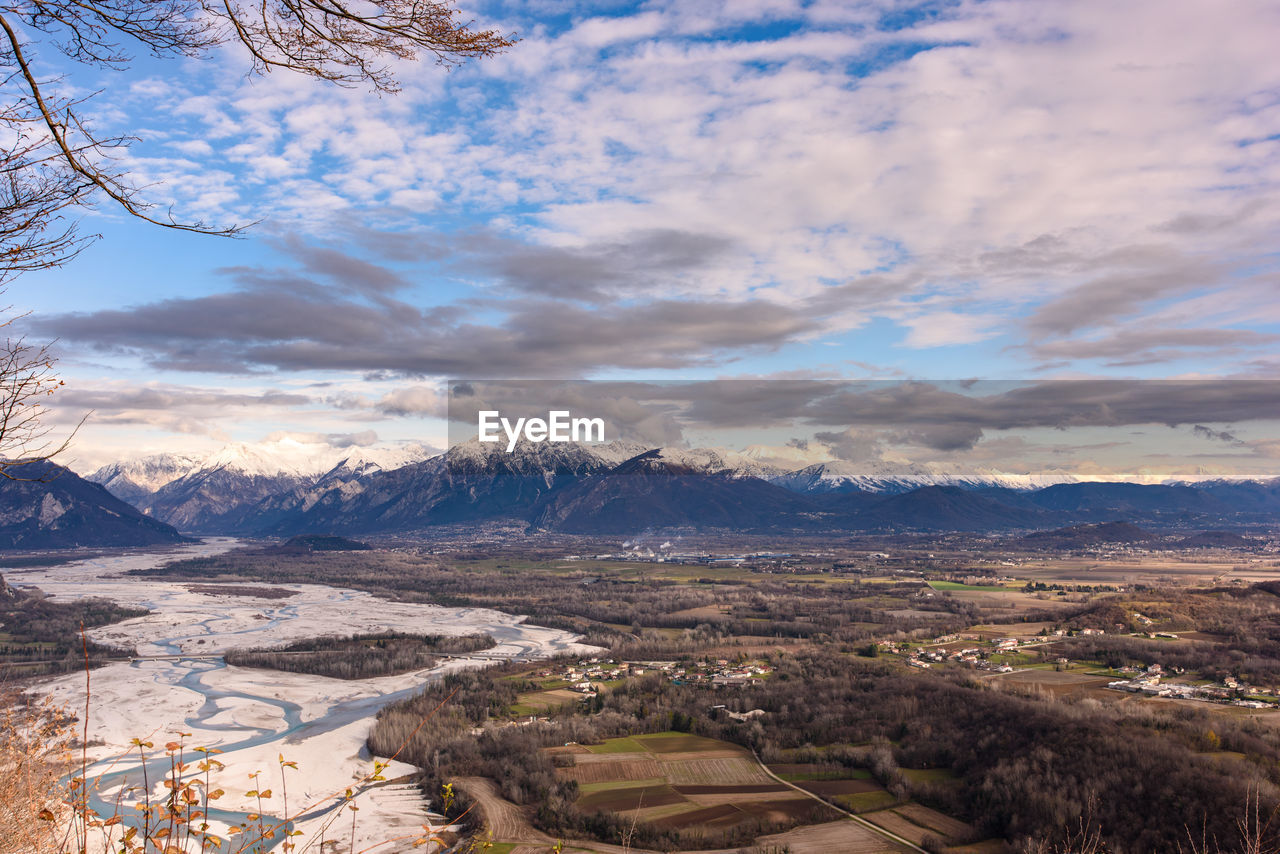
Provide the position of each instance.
(859, 819)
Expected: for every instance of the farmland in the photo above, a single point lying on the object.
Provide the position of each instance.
(910, 689)
(683, 782)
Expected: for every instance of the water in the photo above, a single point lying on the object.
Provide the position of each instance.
(189, 693)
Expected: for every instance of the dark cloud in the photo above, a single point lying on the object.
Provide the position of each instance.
(1144, 346)
(361, 439)
(164, 399)
(1056, 404)
(1122, 292)
(1216, 435)
(277, 323)
(1201, 223)
(595, 272)
(940, 437)
(852, 445)
(354, 274)
(940, 415)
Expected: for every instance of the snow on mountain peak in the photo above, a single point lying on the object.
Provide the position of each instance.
(279, 456)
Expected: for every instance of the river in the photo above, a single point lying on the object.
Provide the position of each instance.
(179, 684)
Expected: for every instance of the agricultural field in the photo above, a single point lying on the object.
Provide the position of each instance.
(851, 789)
(1061, 683)
(916, 823)
(957, 587)
(681, 781)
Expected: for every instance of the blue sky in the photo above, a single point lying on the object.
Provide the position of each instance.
(684, 190)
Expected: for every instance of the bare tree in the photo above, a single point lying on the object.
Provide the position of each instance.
(52, 163)
(27, 378)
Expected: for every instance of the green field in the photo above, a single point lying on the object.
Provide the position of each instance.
(866, 801)
(626, 744)
(957, 586)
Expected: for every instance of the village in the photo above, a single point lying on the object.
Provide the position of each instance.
(589, 676)
(1001, 655)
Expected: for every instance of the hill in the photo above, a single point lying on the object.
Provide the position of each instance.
(945, 508)
(320, 543)
(61, 510)
(1083, 536)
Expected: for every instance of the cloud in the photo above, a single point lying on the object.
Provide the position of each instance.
(673, 187)
(167, 398)
(281, 320)
(948, 328)
(1120, 293)
(1216, 435)
(852, 445)
(1130, 346)
(944, 416)
(416, 400)
(163, 408)
(941, 437)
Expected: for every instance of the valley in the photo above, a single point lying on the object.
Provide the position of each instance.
(864, 675)
(614, 648)
(177, 681)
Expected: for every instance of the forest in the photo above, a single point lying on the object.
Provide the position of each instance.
(39, 636)
(1012, 760)
(361, 656)
(763, 605)
(1026, 767)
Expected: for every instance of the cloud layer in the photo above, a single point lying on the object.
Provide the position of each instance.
(999, 187)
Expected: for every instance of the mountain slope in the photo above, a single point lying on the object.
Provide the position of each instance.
(66, 511)
(137, 480)
(661, 490)
(243, 487)
(946, 508)
(1132, 501)
(892, 478)
(471, 482)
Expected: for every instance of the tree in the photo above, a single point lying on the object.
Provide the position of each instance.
(26, 378)
(52, 163)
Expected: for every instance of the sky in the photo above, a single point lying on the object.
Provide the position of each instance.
(701, 191)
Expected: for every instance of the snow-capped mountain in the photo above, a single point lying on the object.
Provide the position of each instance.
(472, 481)
(881, 476)
(711, 461)
(222, 491)
(293, 485)
(303, 458)
(136, 480)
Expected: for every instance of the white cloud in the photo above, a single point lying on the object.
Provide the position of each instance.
(1089, 126)
(943, 328)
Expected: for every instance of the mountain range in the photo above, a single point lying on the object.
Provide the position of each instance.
(242, 487)
(289, 488)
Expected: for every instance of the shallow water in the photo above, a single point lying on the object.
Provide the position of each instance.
(183, 624)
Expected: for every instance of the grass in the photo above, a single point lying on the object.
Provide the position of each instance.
(866, 801)
(957, 586)
(833, 774)
(681, 742)
(626, 744)
(589, 788)
(660, 743)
